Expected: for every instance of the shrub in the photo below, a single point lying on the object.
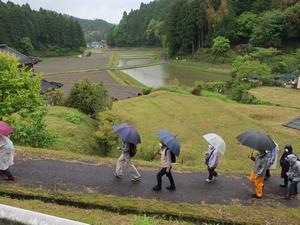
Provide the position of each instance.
(221, 46)
(72, 117)
(214, 86)
(54, 97)
(31, 130)
(243, 68)
(19, 90)
(196, 91)
(89, 98)
(105, 136)
(147, 91)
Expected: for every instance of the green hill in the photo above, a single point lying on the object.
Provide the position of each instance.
(74, 131)
(190, 117)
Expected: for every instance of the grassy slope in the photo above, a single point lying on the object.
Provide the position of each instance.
(74, 130)
(235, 213)
(190, 117)
(279, 96)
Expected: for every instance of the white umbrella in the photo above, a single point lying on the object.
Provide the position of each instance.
(216, 141)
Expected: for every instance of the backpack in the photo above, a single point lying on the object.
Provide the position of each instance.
(173, 156)
(132, 150)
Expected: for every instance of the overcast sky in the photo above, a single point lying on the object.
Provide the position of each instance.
(109, 10)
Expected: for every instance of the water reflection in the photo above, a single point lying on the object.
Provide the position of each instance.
(161, 75)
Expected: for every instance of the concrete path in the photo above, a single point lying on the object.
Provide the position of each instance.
(191, 187)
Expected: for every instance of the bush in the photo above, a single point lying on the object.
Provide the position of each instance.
(220, 47)
(73, 117)
(89, 98)
(243, 68)
(105, 136)
(214, 86)
(147, 91)
(31, 130)
(55, 97)
(196, 91)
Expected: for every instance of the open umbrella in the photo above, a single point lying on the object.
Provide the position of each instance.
(256, 140)
(5, 129)
(127, 133)
(170, 141)
(216, 141)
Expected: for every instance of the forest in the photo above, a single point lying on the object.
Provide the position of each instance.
(28, 30)
(185, 26)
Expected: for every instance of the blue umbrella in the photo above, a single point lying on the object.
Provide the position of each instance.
(170, 141)
(127, 133)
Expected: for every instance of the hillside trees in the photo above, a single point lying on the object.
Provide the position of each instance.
(44, 29)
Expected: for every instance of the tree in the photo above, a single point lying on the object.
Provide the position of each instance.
(19, 90)
(291, 22)
(89, 98)
(268, 31)
(25, 46)
(221, 46)
(244, 26)
(243, 68)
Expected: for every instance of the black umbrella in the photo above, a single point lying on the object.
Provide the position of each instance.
(256, 140)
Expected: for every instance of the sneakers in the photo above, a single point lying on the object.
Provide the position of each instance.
(136, 179)
(283, 185)
(156, 188)
(8, 178)
(208, 180)
(170, 188)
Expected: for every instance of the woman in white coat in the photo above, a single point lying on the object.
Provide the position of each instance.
(6, 157)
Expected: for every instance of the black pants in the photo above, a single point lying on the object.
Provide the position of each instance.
(7, 172)
(211, 173)
(162, 172)
(268, 173)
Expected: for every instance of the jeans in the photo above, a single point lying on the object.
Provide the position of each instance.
(162, 172)
(293, 187)
(7, 172)
(211, 173)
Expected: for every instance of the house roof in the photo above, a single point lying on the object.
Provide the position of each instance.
(49, 85)
(23, 59)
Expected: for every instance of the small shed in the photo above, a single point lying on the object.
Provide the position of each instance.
(49, 86)
(24, 60)
(295, 124)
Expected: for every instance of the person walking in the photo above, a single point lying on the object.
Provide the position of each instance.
(166, 166)
(128, 151)
(272, 160)
(293, 175)
(257, 175)
(6, 157)
(288, 149)
(211, 161)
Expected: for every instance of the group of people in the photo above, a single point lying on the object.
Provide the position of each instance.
(264, 161)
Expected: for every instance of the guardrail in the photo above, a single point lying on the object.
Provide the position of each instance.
(32, 218)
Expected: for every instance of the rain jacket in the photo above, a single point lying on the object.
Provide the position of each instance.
(6, 152)
(294, 171)
(212, 158)
(165, 158)
(260, 164)
(272, 157)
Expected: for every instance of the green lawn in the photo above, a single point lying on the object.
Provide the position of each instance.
(279, 96)
(190, 117)
(90, 216)
(74, 131)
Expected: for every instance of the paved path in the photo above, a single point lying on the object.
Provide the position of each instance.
(191, 187)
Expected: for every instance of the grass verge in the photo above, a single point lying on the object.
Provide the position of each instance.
(219, 214)
(124, 79)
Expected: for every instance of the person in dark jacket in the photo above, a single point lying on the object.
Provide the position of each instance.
(288, 149)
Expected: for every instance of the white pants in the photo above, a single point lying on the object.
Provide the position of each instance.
(125, 159)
